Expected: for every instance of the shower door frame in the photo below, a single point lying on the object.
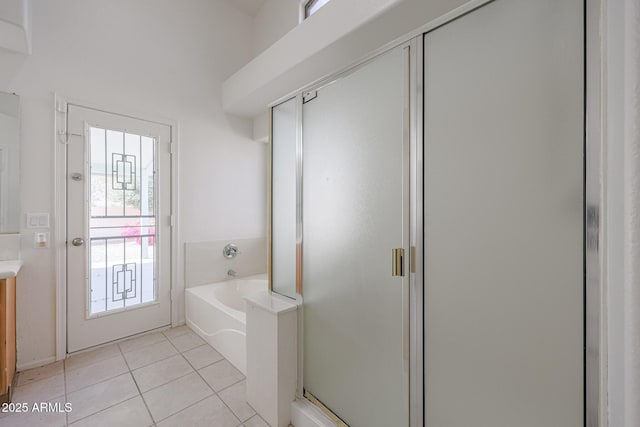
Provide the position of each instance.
(595, 291)
(412, 130)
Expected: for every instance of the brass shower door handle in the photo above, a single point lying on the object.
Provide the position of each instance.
(397, 262)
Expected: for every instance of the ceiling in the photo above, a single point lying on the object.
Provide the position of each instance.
(250, 7)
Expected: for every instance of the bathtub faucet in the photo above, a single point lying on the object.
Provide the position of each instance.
(230, 251)
(232, 273)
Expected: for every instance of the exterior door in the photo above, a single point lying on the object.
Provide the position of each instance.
(118, 227)
(504, 183)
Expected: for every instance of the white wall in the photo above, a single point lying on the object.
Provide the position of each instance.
(274, 19)
(15, 26)
(157, 57)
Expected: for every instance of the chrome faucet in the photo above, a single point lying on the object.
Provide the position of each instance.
(232, 273)
(230, 251)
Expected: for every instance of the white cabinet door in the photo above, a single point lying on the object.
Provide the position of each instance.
(118, 227)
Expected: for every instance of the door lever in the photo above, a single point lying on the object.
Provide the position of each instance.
(397, 262)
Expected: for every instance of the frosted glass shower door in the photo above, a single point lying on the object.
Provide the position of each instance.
(354, 213)
(504, 271)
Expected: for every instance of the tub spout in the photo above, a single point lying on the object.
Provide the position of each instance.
(232, 273)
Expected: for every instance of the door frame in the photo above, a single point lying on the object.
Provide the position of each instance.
(60, 211)
(412, 180)
(594, 242)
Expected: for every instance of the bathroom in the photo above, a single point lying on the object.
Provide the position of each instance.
(205, 226)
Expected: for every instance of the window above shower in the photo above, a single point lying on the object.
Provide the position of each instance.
(312, 6)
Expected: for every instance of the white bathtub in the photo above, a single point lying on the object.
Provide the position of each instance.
(217, 313)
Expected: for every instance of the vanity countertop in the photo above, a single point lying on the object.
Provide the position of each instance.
(9, 268)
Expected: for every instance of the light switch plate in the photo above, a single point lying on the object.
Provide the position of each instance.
(38, 220)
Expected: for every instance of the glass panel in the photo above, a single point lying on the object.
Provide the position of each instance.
(504, 217)
(353, 218)
(122, 223)
(283, 196)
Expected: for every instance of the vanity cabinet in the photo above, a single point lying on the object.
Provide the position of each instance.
(7, 337)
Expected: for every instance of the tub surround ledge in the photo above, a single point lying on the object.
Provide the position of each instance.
(272, 357)
(270, 302)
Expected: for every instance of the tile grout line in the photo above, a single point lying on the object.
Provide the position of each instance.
(205, 366)
(205, 381)
(151, 363)
(163, 384)
(100, 382)
(192, 367)
(215, 393)
(184, 409)
(137, 386)
(101, 410)
(197, 373)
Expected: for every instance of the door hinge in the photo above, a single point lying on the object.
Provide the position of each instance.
(172, 221)
(309, 96)
(61, 107)
(172, 148)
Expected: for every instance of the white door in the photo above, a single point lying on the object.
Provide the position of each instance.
(504, 182)
(118, 227)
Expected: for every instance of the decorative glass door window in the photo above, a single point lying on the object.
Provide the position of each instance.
(122, 220)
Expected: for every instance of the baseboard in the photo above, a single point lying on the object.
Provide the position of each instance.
(35, 364)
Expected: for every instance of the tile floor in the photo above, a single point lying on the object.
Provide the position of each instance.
(170, 378)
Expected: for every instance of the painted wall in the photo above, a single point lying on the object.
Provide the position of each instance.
(15, 26)
(274, 19)
(157, 57)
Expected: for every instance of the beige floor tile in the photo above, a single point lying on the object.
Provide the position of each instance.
(174, 332)
(207, 413)
(256, 421)
(175, 396)
(87, 358)
(186, 341)
(95, 373)
(149, 354)
(41, 373)
(202, 356)
(40, 391)
(53, 417)
(236, 399)
(141, 342)
(161, 372)
(221, 375)
(95, 398)
(131, 413)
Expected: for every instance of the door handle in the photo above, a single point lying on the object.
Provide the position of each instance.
(78, 241)
(397, 262)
